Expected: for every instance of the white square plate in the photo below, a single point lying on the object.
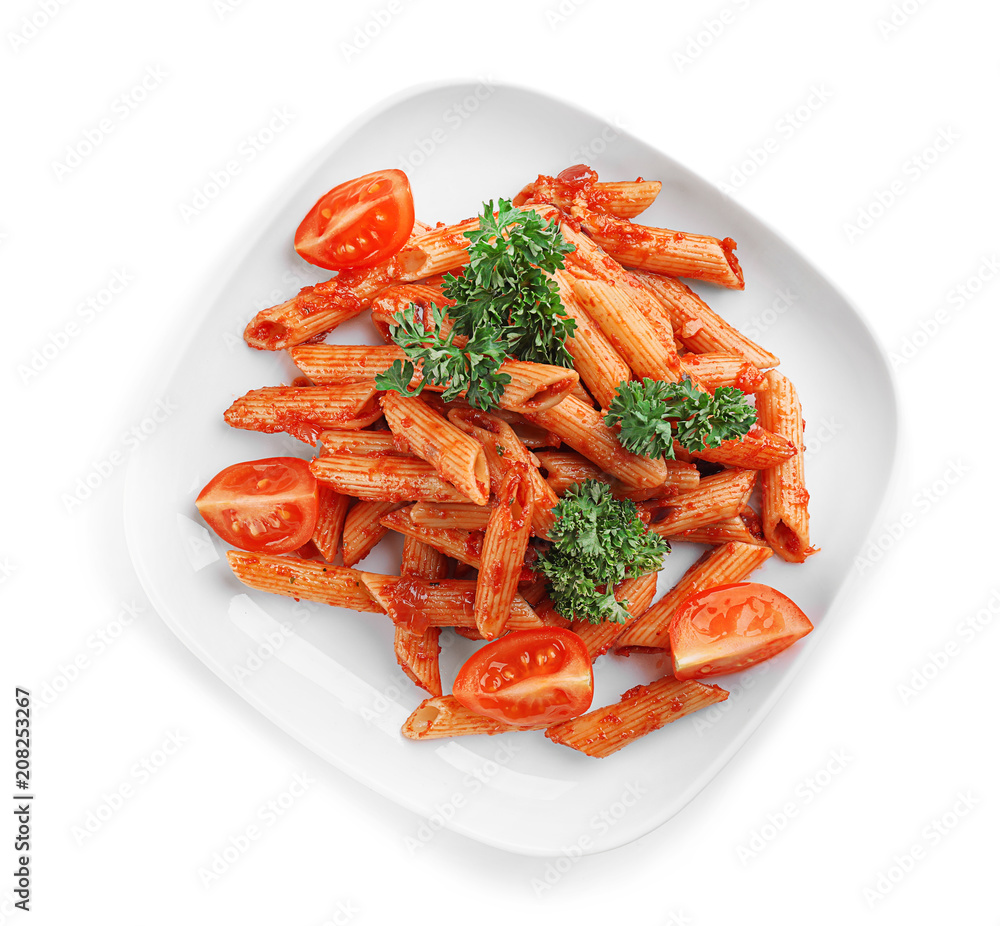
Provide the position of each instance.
(329, 677)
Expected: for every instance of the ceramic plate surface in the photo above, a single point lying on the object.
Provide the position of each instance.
(329, 677)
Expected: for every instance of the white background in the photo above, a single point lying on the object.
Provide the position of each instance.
(774, 838)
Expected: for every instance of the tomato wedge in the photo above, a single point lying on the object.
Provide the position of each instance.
(528, 677)
(263, 506)
(359, 223)
(733, 627)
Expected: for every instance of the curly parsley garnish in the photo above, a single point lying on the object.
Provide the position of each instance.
(654, 414)
(597, 541)
(504, 303)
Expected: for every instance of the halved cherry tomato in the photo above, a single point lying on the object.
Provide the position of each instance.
(733, 627)
(358, 223)
(528, 677)
(263, 506)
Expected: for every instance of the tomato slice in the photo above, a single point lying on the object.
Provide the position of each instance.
(528, 677)
(733, 627)
(263, 506)
(359, 223)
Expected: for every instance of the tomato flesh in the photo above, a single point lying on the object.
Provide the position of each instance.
(262, 506)
(528, 677)
(358, 223)
(733, 627)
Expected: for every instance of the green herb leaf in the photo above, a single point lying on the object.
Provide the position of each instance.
(597, 542)
(504, 304)
(654, 414)
(473, 369)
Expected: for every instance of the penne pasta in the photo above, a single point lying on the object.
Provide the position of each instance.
(532, 386)
(364, 443)
(584, 430)
(457, 458)
(643, 345)
(417, 652)
(744, 528)
(305, 579)
(599, 638)
(717, 497)
(439, 717)
(383, 478)
(600, 366)
(304, 411)
(678, 254)
(330, 521)
(785, 501)
(503, 449)
(727, 564)
(723, 369)
(420, 603)
(624, 199)
(696, 326)
(465, 517)
(462, 545)
(757, 449)
(641, 710)
(565, 468)
(504, 546)
(363, 529)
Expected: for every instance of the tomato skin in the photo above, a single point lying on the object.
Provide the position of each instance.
(528, 677)
(262, 506)
(732, 627)
(358, 223)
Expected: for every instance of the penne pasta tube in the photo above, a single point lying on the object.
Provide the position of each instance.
(383, 478)
(696, 326)
(583, 429)
(599, 638)
(632, 334)
(444, 716)
(624, 198)
(532, 386)
(641, 710)
(677, 254)
(785, 500)
(742, 528)
(330, 521)
(757, 449)
(600, 366)
(727, 564)
(504, 545)
(317, 309)
(503, 449)
(305, 579)
(463, 545)
(417, 652)
(383, 443)
(565, 468)
(304, 411)
(723, 369)
(420, 603)
(320, 308)
(457, 457)
(387, 307)
(363, 529)
(445, 249)
(465, 517)
(717, 497)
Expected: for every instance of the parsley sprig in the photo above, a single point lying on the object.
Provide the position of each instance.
(654, 414)
(597, 541)
(473, 369)
(504, 303)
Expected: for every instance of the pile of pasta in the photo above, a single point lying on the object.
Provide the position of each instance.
(465, 488)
